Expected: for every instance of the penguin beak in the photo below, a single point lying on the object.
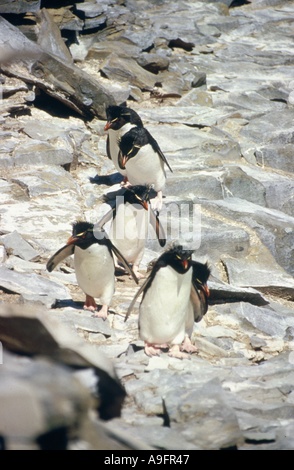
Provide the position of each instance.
(107, 126)
(145, 205)
(72, 240)
(206, 290)
(185, 264)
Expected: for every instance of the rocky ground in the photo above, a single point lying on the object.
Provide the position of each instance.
(213, 82)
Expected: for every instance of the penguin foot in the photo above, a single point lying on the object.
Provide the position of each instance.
(125, 182)
(137, 274)
(152, 349)
(188, 346)
(102, 313)
(90, 303)
(175, 352)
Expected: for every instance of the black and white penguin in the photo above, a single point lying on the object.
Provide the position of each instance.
(120, 119)
(94, 264)
(142, 159)
(130, 219)
(165, 302)
(198, 305)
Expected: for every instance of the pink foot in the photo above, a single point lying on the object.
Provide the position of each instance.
(90, 303)
(154, 349)
(125, 182)
(137, 274)
(188, 346)
(175, 352)
(102, 313)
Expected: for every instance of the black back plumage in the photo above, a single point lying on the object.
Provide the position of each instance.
(200, 292)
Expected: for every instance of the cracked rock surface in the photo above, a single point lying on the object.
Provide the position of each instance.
(213, 83)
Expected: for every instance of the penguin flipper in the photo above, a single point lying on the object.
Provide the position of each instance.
(157, 226)
(143, 286)
(108, 148)
(124, 262)
(199, 302)
(158, 150)
(106, 218)
(59, 256)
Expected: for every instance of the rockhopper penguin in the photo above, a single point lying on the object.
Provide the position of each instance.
(94, 264)
(165, 303)
(130, 219)
(143, 161)
(120, 119)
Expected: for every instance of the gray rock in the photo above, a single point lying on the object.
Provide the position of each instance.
(66, 19)
(264, 319)
(212, 399)
(121, 69)
(19, 6)
(49, 37)
(38, 153)
(15, 244)
(2, 254)
(33, 285)
(154, 63)
(273, 227)
(220, 105)
(102, 49)
(276, 157)
(77, 89)
(274, 127)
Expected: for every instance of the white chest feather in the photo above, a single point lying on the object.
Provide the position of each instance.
(163, 311)
(129, 231)
(94, 269)
(146, 168)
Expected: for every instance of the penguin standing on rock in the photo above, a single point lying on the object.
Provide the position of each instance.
(165, 302)
(143, 161)
(130, 219)
(94, 264)
(120, 119)
(198, 305)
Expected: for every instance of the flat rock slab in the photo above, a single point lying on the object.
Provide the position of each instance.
(32, 284)
(18, 246)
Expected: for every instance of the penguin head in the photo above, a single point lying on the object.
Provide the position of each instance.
(139, 194)
(83, 235)
(118, 116)
(200, 275)
(130, 144)
(178, 258)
